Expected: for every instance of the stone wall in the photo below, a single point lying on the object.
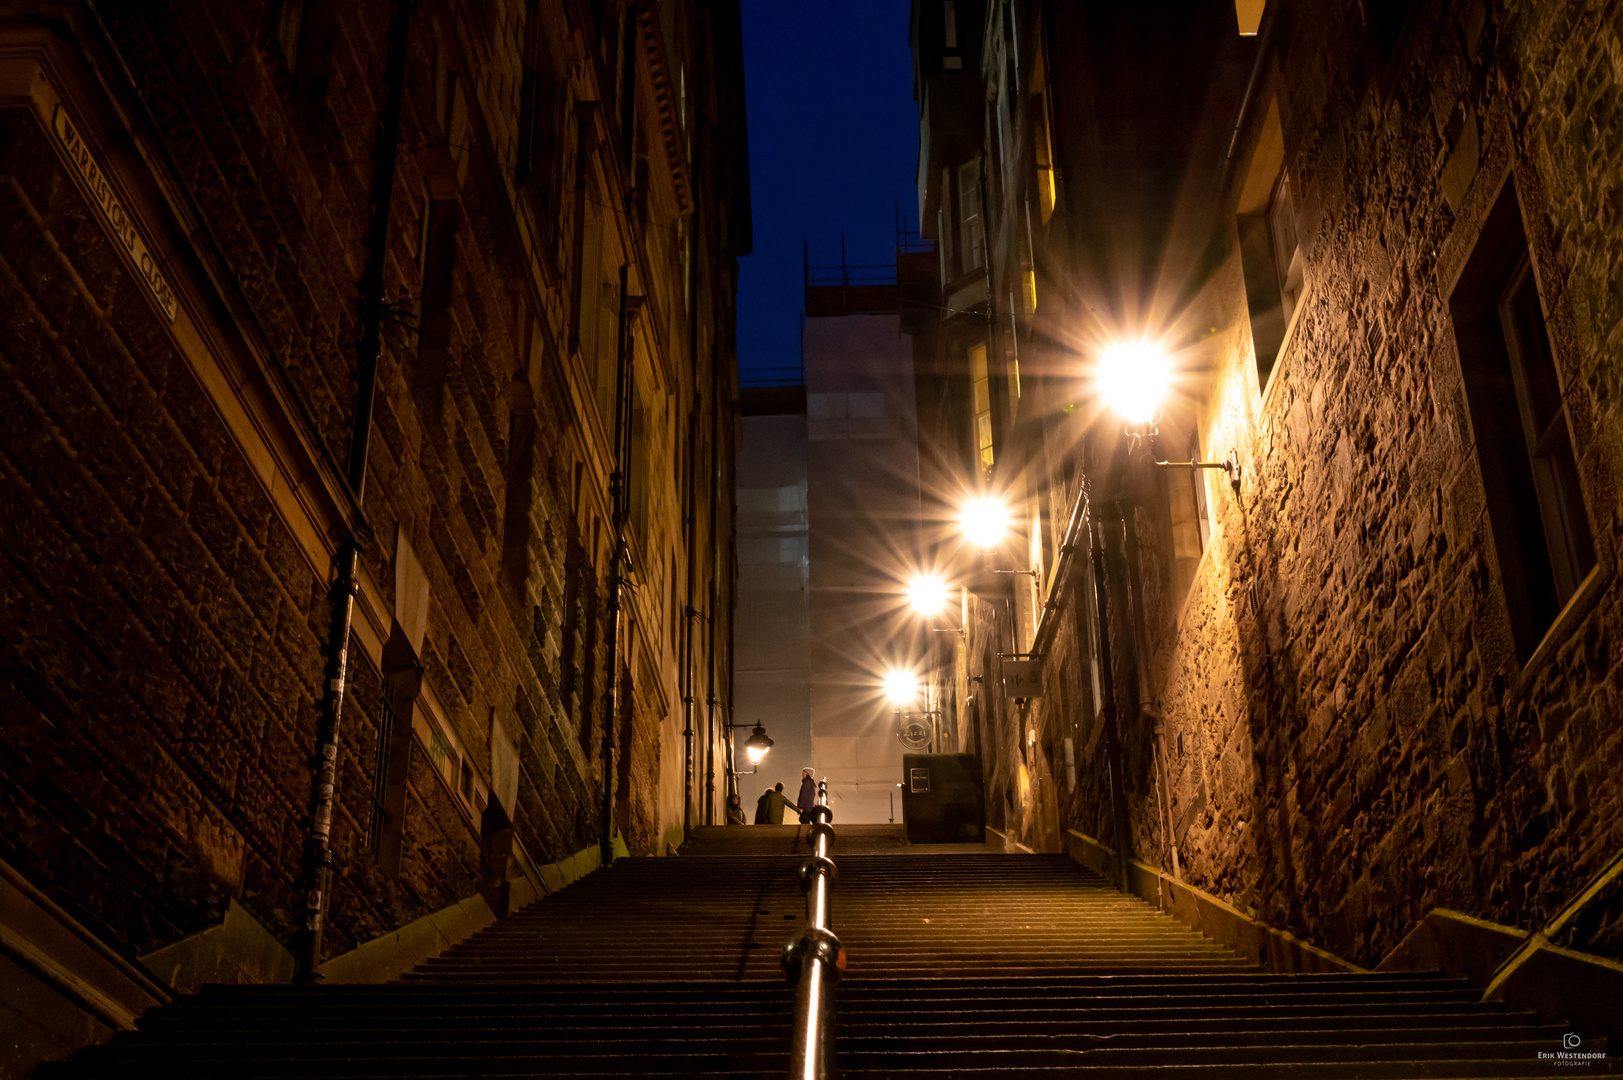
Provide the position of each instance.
(1325, 718)
(166, 606)
(1340, 678)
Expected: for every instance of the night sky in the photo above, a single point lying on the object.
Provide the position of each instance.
(833, 138)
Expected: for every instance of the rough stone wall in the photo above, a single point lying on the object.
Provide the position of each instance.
(162, 627)
(1342, 679)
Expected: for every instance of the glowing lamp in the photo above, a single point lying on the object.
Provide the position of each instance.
(927, 594)
(901, 687)
(985, 521)
(1133, 377)
(757, 745)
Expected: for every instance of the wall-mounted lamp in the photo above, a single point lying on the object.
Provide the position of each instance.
(755, 747)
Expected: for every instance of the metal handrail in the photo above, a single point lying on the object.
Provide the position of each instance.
(815, 959)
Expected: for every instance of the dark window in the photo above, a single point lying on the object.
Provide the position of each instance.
(637, 480)
(380, 771)
(1387, 18)
(520, 496)
(304, 30)
(438, 252)
(536, 163)
(1271, 259)
(1523, 444)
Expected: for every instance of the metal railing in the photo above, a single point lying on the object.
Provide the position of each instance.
(815, 959)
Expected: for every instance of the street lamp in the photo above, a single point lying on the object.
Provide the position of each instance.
(1134, 377)
(755, 747)
(901, 687)
(985, 521)
(927, 594)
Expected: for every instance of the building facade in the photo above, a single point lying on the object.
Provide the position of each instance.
(447, 285)
(772, 656)
(1365, 665)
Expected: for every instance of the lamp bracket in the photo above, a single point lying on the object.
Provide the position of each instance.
(1230, 465)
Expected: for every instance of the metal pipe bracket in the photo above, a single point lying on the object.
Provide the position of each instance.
(821, 945)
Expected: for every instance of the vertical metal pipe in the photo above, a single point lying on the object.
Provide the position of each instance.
(619, 487)
(317, 844)
(1107, 691)
(690, 532)
(710, 613)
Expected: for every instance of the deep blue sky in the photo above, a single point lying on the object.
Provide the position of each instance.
(833, 136)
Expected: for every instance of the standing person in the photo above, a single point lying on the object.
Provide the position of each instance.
(735, 810)
(779, 801)
(808, 796)
(763, 808)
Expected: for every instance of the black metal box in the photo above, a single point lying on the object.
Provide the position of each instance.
(943, 801)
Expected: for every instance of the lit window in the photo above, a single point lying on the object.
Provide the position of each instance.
(983, 405)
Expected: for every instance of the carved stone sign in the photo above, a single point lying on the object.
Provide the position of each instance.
(113, 214)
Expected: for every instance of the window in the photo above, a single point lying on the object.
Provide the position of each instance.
(520, 495)
(608, 351)
(1386, 19)
(983, 404)
(438, 261)
(1522, 439)
(451, 112)
(1191, 525)
(637, 481)
(304, 30)
(380, 771)
(1249, 15)
(1042, 143)
(1287, 252)
(971, 230)
(535, 164)
(1270, 252)
(288, 15)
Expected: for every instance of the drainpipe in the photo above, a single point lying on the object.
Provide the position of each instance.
(1107, 688)
(317, 844)
(1265, 34)
(1148, 711)
(710, 613)
(620, 493)
(690, 531)
(689, 764)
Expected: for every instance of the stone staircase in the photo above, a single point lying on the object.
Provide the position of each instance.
(962, 962)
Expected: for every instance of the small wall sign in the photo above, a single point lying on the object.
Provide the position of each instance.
(1023, 678)
(113, 214)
